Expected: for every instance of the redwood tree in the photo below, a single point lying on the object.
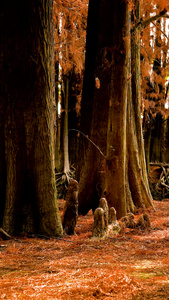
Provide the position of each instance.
(27, 187)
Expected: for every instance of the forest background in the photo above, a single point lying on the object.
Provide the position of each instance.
(70, 42)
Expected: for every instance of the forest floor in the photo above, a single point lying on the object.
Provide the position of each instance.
(131, 265)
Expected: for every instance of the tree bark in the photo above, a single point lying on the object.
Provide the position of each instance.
(125, 180)
(116, 134)
(95, 101)
(157, 140)
(27, 181)
(57, 124)
(64, 165)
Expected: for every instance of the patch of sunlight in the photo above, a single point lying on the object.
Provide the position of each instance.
(148, 269)
(161, 280)
(146, 264)
(159, 277)
(143, 275)
(167, 105)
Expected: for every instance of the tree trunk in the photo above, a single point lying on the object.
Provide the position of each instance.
(136, 92)
(57, 125)
(94, 109)
(116, 134)
(64, 167)
(147, 144)
(27, 89)
(126, 185)
(75, 91)
(130, 177)
(167, 140)
(157, 139)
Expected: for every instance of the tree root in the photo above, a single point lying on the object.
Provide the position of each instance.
(62, 181)
(164, 179)
(64, 177)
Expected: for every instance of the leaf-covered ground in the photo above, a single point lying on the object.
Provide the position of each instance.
(132, 265)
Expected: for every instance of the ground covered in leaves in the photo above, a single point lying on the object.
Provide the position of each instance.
(132, 265)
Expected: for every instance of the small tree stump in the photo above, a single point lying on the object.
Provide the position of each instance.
(103, 204)
(99, 224)
(70, 211)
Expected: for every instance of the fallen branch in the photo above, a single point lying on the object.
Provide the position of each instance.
(5, 234)
(41, 236)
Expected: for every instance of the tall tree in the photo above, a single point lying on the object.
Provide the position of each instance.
(94, 108)
(27, 184)
(125, 184)
(116, 133)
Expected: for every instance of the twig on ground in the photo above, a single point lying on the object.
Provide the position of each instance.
(5, 234)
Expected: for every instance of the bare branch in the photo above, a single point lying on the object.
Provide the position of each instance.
(144, 23)
(161, 30)
(89, 141)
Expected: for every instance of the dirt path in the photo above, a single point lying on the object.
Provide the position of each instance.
(133, 265)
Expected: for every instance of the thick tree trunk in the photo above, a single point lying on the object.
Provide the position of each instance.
(116, 134)
(95, 99)
(129, 160)
(136, 92)
(126, 185)
(26, 99)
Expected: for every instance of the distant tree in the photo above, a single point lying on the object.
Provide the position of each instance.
(70, 31)
(154, 67)
(27, 185)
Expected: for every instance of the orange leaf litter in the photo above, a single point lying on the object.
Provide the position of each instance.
(132, 265)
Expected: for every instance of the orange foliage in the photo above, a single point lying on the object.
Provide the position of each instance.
(70, 20)
(155, 53)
